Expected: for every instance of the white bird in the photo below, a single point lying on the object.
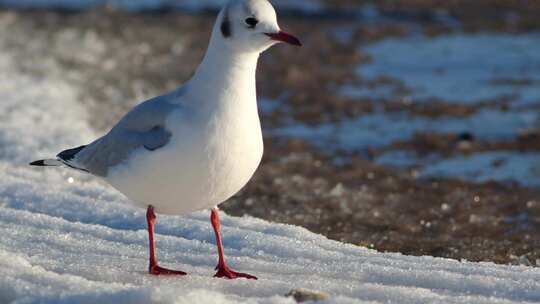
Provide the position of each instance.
(195, 147)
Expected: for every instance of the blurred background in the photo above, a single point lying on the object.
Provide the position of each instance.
(406, 126)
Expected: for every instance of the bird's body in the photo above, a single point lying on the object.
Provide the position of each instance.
(214, 148)
(195, 147)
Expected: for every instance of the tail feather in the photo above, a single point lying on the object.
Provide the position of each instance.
(46, 163)
(64, 158)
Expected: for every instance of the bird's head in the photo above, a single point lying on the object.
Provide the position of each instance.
(251, 25)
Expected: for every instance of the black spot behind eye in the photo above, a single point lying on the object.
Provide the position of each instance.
(226, 29)
(226, 25)
(252, 22)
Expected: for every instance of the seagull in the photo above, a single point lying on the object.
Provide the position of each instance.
(195, 147)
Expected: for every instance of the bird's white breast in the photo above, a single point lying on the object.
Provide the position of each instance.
(214, 151)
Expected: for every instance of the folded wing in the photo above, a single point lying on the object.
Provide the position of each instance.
(141, 128)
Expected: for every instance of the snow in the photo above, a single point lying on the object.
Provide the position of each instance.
(455, 68)
(68, 238)
(465, 68)
(381, 128)
(489, 166)
(502, 166)
(462, 68)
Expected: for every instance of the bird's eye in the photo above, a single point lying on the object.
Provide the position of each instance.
(252, 22)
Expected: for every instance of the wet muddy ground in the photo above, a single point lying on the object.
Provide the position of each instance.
(361, 158)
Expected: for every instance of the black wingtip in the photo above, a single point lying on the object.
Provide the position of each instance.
(39, 163)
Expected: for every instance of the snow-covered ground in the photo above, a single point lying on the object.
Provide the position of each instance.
(457, 68)
(67, 238)
(489, 166)
(379, 129)
(465, 68)
(462, 68)
(503, 166)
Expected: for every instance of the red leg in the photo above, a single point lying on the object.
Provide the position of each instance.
(223, 271)
(154, 268)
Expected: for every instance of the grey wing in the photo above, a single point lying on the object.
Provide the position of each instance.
(143, 127)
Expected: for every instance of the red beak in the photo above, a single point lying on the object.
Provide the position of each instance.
(284, 37)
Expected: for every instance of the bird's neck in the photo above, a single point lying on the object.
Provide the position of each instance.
(225, 70)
